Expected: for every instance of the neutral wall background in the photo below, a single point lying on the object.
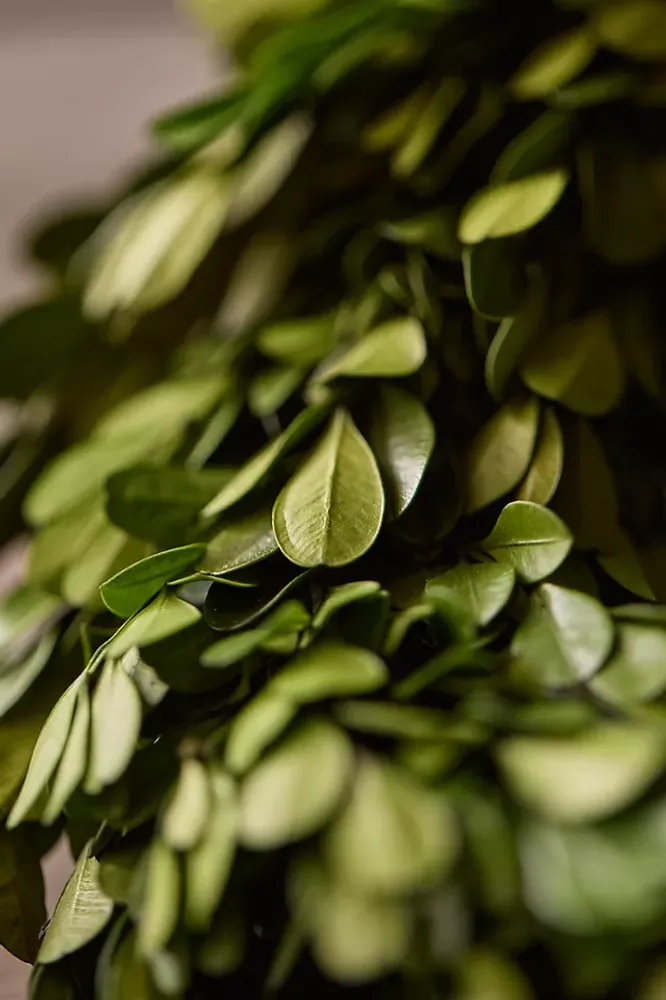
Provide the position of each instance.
(78, 81)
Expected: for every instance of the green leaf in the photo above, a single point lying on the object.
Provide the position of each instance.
(329, 670)
(393, 836)
(16, 679)
(355, 938)
(513, 336)
(293, 791)
(566, 637)
(425, 124)
(158, 915)
(636, 28)
(408, 722)
(583, 778)
(162, 412)
(186, 813)
(341, 597)
(501, 452)
(331, 510)
(164, 617)
(259, 176)
(127, 974)
(302, 341)
(530, 538)
(150, 247)
(127, 592)
(489, 974)
(74, 761)
(394, 349)
(254, 471)
(255, 727)
(115, 726)
(494, 277)
(47, 753)
(578, 365)
(83, 911)
(242, 541)
(286, 622)
(402, 437)
(637, 670)
(545, 470)
(208, 865)
(270, 389)
(22, 910)
(480, 590)
(553, 64)
(513, 207)
(541, 145)
(158, 503)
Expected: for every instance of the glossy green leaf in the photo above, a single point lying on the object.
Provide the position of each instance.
(637, 670)
(545, 470)
(158, 503)
(566, 637)
(583, 778)
(480, 590)
(530, 538)
(208, 865)
(578, 365)
(394, 349)
(164, 617)
(254, 471)
(115, 726)
(553, 64)
(331, 510)
(513, 207)
(402, 437)
(255, 727)
(74, 761)
(241, 542)
(394, 835)
(501, 452)
(296, 788)
(22, 910)
(186, 814)
(161, 899)
(47, 753)
(83, 911)
(329, 669)
(126, 592)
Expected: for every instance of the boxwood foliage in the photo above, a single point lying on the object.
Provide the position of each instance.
(340, 443)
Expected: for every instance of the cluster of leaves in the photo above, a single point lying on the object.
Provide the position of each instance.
(339, 441)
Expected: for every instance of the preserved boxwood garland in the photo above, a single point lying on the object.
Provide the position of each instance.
(340, 658)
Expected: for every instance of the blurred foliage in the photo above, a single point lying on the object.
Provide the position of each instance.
(338, 438)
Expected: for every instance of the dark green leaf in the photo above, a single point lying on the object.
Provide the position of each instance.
(402, 437)
(22, 910)
(501, 452)
(242, 542)
(127, 592)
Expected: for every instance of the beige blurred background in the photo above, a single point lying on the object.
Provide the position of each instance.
(78, 81)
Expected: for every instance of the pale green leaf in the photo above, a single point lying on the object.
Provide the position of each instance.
(329, 669)
(116, 718)
(566, 637)
(402, 437)
(584, 778)
(394, 349)
(553, 64)
(270, 389)
(208, 865)
(501, 452)
(74, 761)
(637, 670)
(83, 911)
(394, 835)
(255, 727)
(187, 812)
(164, 617)
(545, 470)
(331, 510)
(158, 915)
(530, 538)
(126, 592)
(506, 209)
(294, 790)
(481, 590)
(302, 341)
(47, 753)
(16, 679)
